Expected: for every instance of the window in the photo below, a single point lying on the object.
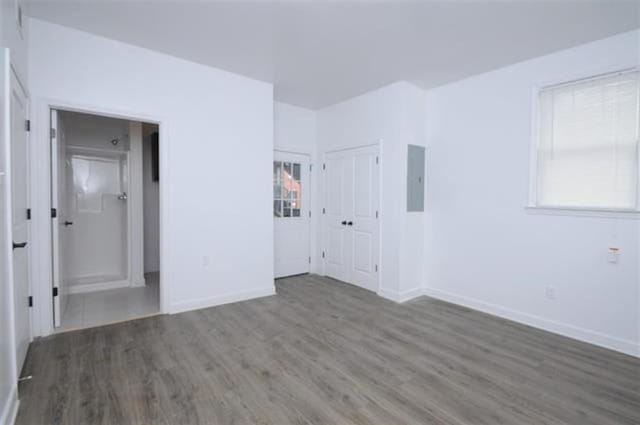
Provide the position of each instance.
(287, 193)
(587, 144)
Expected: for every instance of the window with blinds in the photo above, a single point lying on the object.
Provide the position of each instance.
(587, 147)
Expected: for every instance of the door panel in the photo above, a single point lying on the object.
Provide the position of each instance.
(365, 223)
(291, 214)
(338, 170)
(350, 225)
(20, 224)
(57, 184)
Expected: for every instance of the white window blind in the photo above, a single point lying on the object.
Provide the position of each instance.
(588, 144)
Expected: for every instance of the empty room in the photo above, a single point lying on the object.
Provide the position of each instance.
(320, 212)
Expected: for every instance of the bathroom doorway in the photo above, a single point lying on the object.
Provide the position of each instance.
(104, 219)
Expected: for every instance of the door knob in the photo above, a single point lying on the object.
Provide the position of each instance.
(350, 223)
(344, 223)
(19, 245)
(68, 223)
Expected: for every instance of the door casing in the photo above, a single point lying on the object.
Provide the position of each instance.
(43, 323)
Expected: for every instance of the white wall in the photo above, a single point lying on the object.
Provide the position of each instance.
(294, 128)
(394, 117)
(216, 147)
(151, 200)
(483, 249)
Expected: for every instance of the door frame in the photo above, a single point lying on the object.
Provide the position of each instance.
(41, 249)
(307, 199)
(323, 223)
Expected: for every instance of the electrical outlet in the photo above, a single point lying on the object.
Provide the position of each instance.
(550, 292)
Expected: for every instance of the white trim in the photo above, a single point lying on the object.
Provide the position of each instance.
(95, 287)
(10, 408)
(198, 303)
(42, 311)
(574, 332)
(401, 297)
(583, 212)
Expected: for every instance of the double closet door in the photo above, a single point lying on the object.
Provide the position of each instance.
(350, 225)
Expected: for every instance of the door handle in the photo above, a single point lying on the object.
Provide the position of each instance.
(68, 223)
(19, 245)
(344, 223)
(350, 223)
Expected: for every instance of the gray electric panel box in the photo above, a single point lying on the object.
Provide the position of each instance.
(415, 178)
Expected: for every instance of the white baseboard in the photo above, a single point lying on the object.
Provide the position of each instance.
(401, 297)
(197, 304)
(98, 286)
(585, 335)
(10, 408)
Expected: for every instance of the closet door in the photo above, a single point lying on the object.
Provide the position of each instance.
(338, 170)
(351, 235)
(363, 224)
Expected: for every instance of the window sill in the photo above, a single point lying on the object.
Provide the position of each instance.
(584, 212)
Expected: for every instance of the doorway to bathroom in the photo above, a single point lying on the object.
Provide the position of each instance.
(105, 219)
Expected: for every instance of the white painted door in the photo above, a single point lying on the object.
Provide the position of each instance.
(19, 219)
(338, 173)
(58, 174)
(350, 225)
(291, 213)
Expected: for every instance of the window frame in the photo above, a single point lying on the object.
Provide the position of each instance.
(533, 205)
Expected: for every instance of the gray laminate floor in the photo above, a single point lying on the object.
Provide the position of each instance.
(323, 352)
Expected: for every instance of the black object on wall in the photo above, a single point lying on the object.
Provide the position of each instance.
(155, 157)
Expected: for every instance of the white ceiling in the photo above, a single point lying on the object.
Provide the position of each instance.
(318, 53)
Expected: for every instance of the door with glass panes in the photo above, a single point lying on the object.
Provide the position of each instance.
(291, 213)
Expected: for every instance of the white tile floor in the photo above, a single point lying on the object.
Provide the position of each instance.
(103, 307)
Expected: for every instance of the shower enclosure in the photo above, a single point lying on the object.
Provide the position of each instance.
(93, 229)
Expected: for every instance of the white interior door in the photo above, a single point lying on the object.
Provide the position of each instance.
(350, 225)
(58, 174)
(291, 213)
(363, 227)
(338, 173)
(19, 219)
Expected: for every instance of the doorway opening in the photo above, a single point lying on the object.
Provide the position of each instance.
(105, 219)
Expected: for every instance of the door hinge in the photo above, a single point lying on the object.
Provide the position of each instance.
(55, 291)
(310, 167)
(27, 125)
(323, 211)
(324, 166)
(30, 301)
(309, 213)
(54, 213)
(377, 160)
(376, 214)
(309, 260)
(52, 133)
(322, 254)
(376, 267)
(28, 213)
